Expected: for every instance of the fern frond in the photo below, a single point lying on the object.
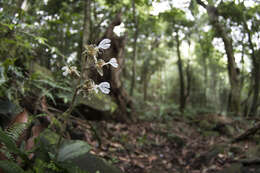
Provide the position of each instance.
(9, 137)
(53, 84)
(9, 143)
(16, 130)
(7, 154)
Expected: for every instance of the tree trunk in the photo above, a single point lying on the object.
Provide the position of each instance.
(145, 77)
(112, 75)
(86, 33)
(189, 77)
(146, 80)
(181, 76)
(255, 73)
(256, 77)
(233, 73)
(134, 49)
(86, 27)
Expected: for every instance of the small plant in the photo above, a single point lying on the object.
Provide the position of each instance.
(85, 84)
(63, 150)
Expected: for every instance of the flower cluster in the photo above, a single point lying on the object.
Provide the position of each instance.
(91, 51)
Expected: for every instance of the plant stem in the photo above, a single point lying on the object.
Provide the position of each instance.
(67, 113)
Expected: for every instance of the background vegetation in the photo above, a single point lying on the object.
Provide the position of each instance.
(193, 58)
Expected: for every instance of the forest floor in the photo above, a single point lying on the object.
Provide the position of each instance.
(173, 146)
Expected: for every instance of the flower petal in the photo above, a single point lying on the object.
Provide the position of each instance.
(65, 73)
(113, 62)
(105, 90)
(104, 44)
(65, 68)
(104, 87)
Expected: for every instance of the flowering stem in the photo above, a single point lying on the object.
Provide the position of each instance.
(67, 113)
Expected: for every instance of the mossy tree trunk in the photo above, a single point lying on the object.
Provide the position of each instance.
(233, 72)
(125, 111)
(181, 74)
(134, 49)
(255, 56)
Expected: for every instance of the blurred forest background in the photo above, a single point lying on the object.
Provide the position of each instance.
(179, 60)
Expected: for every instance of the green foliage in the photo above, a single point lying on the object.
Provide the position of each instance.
(10, 167)
(176, 18)
(16, 130)
(10, 144)
(231, 10)
(72, 149)
(68, 151)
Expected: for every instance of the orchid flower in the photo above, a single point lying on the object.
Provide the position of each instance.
(70, 70)
(104, 44)
(112, 62)
(104, 87)
(66, 70)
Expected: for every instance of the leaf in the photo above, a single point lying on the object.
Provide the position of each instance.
(72, 149)
(10, 26)
(2, 76)
(9, 143)
(41, 40)
(10, 167)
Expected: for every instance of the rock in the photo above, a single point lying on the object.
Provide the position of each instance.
(7, 111)
(204, 124)
(234, 168)
(206, 158)
(253, 152)
(180, 142)
(92, 164)
(94, 107)
(225, 129)
(236, 150)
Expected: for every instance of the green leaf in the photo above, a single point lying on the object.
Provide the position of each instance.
(11, 146)
(9, 143)
(2, 76)
(10, 26)
(10, 167)
(72, 149)
(41, 40)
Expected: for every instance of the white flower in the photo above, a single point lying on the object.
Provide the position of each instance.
(69, 70)
(104, 44)
(113, 62)
(103, 87)
(66, 70)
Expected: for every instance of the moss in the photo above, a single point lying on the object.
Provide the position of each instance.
(204, 124)
(254, 152)
(210, 133)
(92, 164)
(234, 168)
(50, 137)
(256, 138)
(236, 150)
